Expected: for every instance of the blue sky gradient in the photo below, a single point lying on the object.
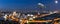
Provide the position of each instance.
(28, 4)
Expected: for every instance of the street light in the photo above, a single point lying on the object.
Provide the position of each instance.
(34, 17)
(20, 20)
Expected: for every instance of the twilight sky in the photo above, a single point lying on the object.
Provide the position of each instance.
(28, 4)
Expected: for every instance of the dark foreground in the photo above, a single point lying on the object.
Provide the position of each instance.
(8, 22)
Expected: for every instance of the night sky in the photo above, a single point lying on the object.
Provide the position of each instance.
(28, 4)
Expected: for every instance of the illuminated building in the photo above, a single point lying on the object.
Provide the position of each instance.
(5, 17)
(14, 13)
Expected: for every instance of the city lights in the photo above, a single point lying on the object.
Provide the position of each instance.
(31, 15)
(14, 13)
(51, 13)
(34, 17)
(28, 14)
(30, 18)
(27, 22)
(40, 12)
(55, 12)
(20, 20)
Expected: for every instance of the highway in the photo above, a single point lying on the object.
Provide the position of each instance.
(13, 18)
